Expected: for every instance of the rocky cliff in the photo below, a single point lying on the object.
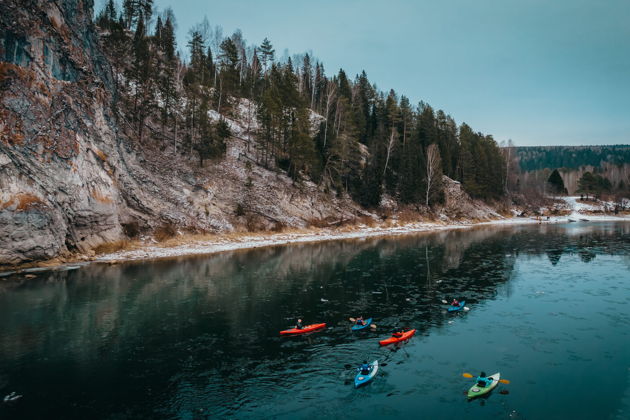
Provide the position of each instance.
(70, 180)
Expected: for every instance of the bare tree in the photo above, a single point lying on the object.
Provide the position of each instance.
(433, 169)
(331, 94)
(179, 80)
(507, 149)
(390, 147)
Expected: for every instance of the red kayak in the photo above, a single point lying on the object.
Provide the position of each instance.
(405, 336)
(305, 329)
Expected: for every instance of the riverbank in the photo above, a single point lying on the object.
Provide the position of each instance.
(187, 245)
(248, 241)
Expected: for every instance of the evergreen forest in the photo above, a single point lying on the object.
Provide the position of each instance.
(340, 131)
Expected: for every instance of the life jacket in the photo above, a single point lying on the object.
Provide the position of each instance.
(483, 382)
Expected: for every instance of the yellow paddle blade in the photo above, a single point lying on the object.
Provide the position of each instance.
(352, 319)
(373, 326)
(504, 381)
(467, 375)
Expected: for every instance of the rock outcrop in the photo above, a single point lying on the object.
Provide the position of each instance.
(70, 180)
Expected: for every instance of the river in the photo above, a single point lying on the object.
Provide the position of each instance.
(198, 337)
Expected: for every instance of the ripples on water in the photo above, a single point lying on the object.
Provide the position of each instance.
(198, 337)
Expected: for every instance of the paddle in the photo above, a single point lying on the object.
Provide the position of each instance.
(468, 375)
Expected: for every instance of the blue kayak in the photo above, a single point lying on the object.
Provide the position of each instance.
(364, 378)
(457, 308)
(357, 327)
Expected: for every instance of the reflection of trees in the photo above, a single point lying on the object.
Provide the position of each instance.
(586, 255)
(102, 305)
(554, 255)
(585, 240)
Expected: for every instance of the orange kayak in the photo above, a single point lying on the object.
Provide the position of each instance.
(405, 336)
(305, 329)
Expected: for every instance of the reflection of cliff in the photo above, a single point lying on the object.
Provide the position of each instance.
(101, 307)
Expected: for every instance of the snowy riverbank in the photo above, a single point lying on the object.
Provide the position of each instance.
(230, 243)
(203, 245)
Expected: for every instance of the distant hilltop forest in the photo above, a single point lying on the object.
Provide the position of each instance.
(570, 157)
(611, 163)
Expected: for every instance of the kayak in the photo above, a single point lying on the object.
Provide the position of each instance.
(362, 379)
(357, 327)
(476, 390)
(405, 336)
(457, 308)
(305, 329)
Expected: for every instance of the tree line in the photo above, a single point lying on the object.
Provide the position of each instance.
(342, 133)
(532, 158)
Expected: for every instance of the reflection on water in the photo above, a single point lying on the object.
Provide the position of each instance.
(198, 337)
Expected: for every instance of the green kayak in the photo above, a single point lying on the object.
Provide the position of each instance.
(476, 390)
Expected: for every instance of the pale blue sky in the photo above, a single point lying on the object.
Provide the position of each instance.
(537, 71)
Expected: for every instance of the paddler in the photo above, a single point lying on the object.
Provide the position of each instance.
(482, 380)
(360, 321)
(455, 302)
(364, 368)
(398, 332)
(299, 325)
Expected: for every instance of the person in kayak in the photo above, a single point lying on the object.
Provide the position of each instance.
(483, 381)
(455, 302)
(360, 321)
(365, 368)
(299, 325)
(398, 332)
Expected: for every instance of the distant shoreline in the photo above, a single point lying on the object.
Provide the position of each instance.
(225, 243)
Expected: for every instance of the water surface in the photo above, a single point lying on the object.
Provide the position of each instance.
(197, 338)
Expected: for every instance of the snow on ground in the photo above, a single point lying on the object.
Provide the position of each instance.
(243, 123)
(264, 240)
(582, 210)
(578, 207)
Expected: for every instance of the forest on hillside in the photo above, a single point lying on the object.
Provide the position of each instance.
(570, 157)
(366, 143)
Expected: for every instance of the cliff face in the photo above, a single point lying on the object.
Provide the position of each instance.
(56, 136)
(70, 180)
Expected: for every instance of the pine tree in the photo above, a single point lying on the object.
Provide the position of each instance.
(157, 35)
(141, 76)
(107, 17)
(307, 79)
(167, 67)
(344, 85)
(556, 184)
(110, 11)
(267, 54)
(168, 42)
(229, 59)
(594, 184)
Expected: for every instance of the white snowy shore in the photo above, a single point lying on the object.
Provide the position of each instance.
(224, 244)
(581, 213)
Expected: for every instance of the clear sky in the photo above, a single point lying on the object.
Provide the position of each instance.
(539, 72)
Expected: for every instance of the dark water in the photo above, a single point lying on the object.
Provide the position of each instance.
(198, 338)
